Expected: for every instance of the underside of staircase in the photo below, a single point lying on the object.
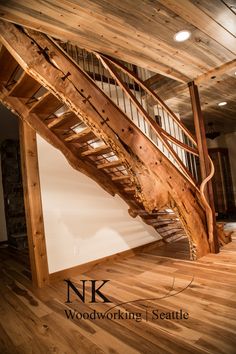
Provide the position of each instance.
(46, 88)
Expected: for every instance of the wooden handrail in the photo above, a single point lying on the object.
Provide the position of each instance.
(209, 214)
(179, 143)
(164, 136)
(152, 93)
(158, 130)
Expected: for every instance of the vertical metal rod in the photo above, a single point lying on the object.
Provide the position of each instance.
(190, 160)
(144, 121)
(181, 136)
(100, 70)
(164, 123)
(93, 68)
(83, 55)
(130, 102)
(135, 95)
(117, 93)
(176, 136)
(76, 55)
(195, 166)
(109, 83)
(123, 93)
(88, 57)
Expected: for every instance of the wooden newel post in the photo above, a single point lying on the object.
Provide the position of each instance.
(33, 206)
(203, 156)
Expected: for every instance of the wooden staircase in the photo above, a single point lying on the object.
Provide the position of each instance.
(48, 90)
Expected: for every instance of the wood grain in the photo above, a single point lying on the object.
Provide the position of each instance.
(33, 206)
(156, 182)
(40, 326)
(143, 38)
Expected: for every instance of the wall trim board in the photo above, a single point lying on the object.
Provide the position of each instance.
(33, 206)
(82, 268)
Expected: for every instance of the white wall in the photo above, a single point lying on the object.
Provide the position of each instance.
(227, 141)
(82, 221)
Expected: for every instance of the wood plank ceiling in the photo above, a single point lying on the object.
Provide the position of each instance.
(141, 32)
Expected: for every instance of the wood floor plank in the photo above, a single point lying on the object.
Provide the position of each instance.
(34, 321)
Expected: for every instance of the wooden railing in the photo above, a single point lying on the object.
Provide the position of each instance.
(162, 126)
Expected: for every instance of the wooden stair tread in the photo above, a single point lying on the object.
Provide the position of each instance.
(120, 178)
(25, 87)
(171, 232)
(110, 164)
(130, 189)
(167, 217)
(47, 105)
(174, 233)
(8, 65)
(159, 222)
(162, 213)
(164, 225)
(64, 122)
(83, 136)
(97, 151)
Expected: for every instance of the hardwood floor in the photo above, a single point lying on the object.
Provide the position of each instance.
(34, 320)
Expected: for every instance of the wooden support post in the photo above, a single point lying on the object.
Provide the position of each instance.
(203, 155)
(33, 206)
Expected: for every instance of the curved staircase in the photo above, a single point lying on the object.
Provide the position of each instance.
(146, 156)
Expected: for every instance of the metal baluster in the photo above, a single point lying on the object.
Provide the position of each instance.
(122, 75)
(117, 94)
(194, 163)
(144, 120)
(109, 84)
(88, 60)
(130, 102)
(83, 57)
(166, 151)
(143, 104)
(135, 95)
(100, 72)
(195, 166)
(190, 158)
(169, 130)
(181, 136)
(93, 67)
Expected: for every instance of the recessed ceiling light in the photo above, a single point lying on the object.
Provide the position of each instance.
(182, 36)
(222, 103)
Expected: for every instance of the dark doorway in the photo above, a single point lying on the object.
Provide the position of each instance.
(13, 232)
(222, 184)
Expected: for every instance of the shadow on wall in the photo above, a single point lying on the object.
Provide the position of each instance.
(82, 221)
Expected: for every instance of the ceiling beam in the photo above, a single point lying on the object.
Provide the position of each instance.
(169, 91)
(216, 72)
(153, 80)
(167, 88)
